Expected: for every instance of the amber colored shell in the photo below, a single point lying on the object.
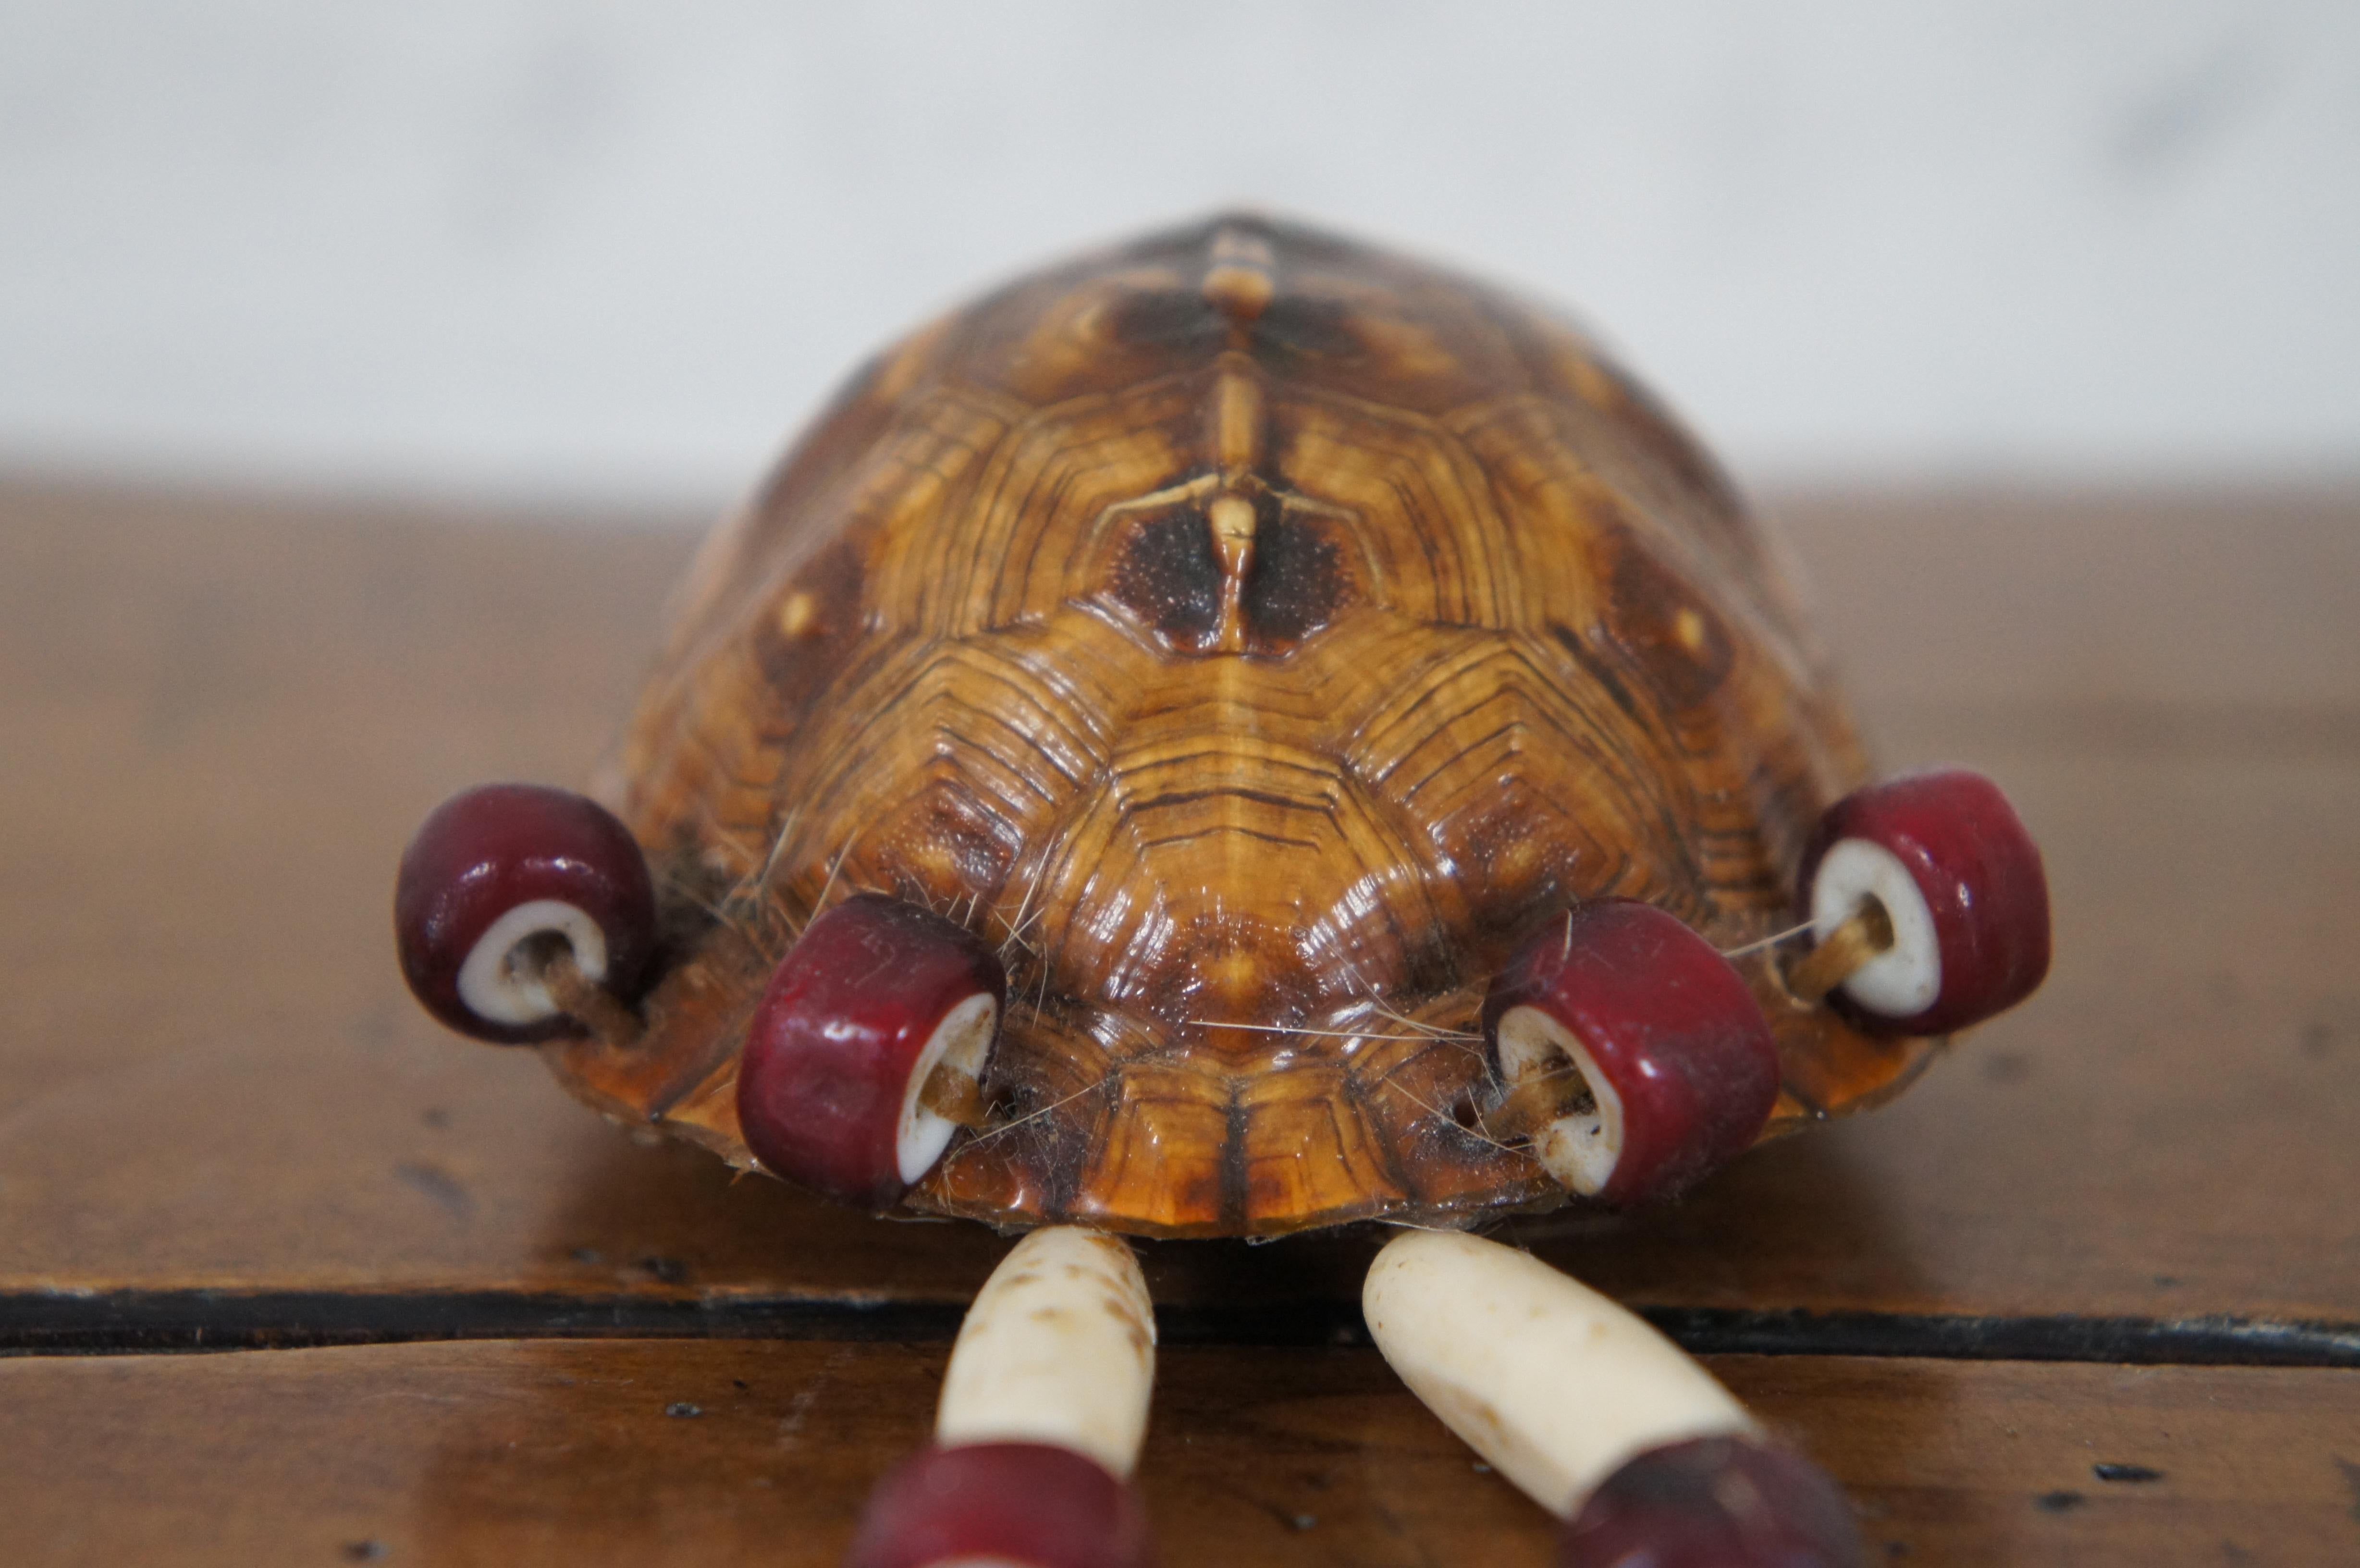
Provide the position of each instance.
(1256, 635)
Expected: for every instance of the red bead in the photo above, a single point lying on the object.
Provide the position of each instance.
(1033, 1504)
(499, 864)
(836, 1053)
(1713, 1502)
(1669, 1027)
(1979, 873)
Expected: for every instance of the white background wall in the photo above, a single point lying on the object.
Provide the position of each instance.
(565, 249)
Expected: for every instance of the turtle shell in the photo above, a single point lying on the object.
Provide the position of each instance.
(1255, 635)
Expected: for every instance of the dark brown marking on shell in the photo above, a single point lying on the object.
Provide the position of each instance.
(945, 844)
(1181, 321)
(1299, 581)
(1232, 968)
(819, 611)
(1673, 635)
(1237, 1176)
(1600, 671)
(1293, 327)
(1168, 576)
(1498, 641)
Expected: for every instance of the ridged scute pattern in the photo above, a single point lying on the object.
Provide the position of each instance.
(1255, 635)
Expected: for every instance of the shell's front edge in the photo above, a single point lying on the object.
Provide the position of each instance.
(1252, 637)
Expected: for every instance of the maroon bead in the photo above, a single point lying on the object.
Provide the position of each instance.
(496, 848)
(1029, 1503)
(1713, 1502)
(1671, 1025)
(1969, 855)
(839, 1034)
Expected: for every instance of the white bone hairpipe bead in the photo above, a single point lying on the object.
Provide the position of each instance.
(1058, 1348)
(1553, 1384)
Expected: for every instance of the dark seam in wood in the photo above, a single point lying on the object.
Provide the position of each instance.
(140, 1322)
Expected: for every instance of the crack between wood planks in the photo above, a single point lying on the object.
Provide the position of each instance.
(137, 1322)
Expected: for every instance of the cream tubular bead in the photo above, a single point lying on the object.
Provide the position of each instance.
(1553, 1384)
(1058, 1348)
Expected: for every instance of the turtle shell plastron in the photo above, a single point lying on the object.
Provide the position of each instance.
(1254, 638)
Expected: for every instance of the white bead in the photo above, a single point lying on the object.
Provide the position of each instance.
(1058, 1348)
(963, 1039)
(1905, 979)
(1554, 1385)
(491, 986)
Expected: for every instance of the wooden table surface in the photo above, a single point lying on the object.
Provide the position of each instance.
(457, 1319)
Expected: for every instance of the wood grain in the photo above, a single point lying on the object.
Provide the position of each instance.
(624, 1453)
(237, 710)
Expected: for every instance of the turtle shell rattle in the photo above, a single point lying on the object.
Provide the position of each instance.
(1232, 735)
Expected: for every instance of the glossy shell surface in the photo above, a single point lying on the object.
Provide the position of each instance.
(1254, 635)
